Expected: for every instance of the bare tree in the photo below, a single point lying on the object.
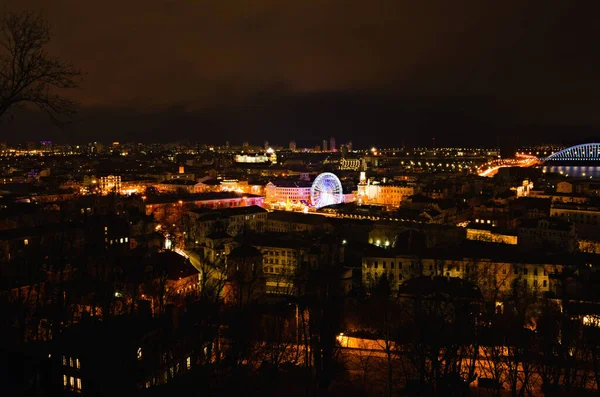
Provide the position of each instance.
(28, 74)
(384, 310)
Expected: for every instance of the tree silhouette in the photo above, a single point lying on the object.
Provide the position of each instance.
(28, 74)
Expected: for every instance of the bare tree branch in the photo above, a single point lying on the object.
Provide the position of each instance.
(28, 74)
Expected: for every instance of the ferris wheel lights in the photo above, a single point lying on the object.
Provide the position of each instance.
(326, 190)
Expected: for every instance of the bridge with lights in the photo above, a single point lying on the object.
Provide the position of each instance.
(574, 157)
(584, 153)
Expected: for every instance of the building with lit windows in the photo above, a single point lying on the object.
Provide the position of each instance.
(268, 156)
(171, 209)
(180, 186)
(122, 354)
(496, 268)
(579, 214)
(110, 184)
(350, 164)
(284, 191)
(286, 258)
(234, 185)
(547, 234)
(281, 260)
(199, 223)
(244, 277)
(389, 194)
(488, 233)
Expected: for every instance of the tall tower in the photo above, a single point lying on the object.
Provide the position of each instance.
(362, 188)
(349, 146)
(332, 144)
(266, 145)
(293, 146)
(324, 147)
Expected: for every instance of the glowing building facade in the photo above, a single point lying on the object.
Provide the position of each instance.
(285, 191)
(268, 156)
(110, 184)
(388, 194)
(350, 164)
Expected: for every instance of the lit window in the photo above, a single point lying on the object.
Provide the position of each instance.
(25, 242)
(65, 381)
(71, 364)
(64, 361)
(121, 240)
(78, 384)
(188, 362)
(139, 353)
(72, 381)
(77, 365)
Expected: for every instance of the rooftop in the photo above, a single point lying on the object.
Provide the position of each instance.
(297, 217)
(174, 198)
(551, 223)
(244, 251)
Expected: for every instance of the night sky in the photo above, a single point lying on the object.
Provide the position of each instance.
(375, 72)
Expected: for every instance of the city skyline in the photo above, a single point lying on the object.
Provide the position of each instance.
(396, 73)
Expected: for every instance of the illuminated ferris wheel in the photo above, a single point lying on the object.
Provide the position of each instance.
(326, 190)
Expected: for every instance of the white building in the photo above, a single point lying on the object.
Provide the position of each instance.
(284, 191)
(389, 194)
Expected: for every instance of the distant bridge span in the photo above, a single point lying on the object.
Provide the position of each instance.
(583, 152)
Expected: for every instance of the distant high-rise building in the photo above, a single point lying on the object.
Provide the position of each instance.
(227, 145)
(349, 146)
(293, 146)
(245, 145)
(332, 144)
(324, 147)
(266, 145)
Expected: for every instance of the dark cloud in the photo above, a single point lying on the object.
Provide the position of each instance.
(396, 65)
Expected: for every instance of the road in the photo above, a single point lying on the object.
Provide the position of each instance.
(521, 161)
